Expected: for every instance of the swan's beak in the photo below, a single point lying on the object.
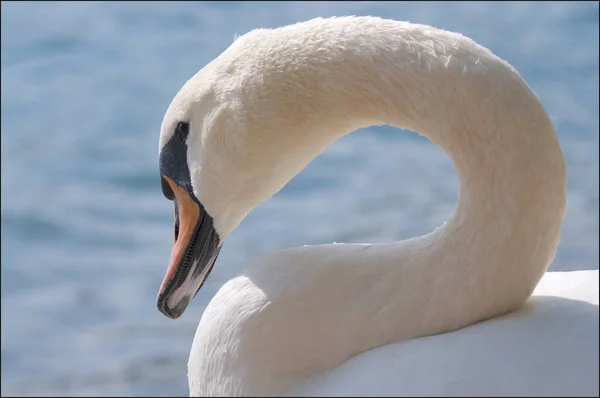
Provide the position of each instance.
(195, 250)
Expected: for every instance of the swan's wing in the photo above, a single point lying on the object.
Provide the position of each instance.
(549, 347)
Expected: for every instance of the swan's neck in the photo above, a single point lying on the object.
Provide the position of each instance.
(323, 304)
(489, 255)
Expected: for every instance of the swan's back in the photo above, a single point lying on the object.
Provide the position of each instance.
(547, 348)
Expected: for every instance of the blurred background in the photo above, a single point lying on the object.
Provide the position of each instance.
(86, 232)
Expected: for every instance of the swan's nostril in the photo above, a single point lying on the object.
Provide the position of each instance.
(176, 217)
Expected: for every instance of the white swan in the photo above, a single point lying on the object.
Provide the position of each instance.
(349, 319)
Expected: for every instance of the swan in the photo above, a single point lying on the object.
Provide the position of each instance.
(467, 309)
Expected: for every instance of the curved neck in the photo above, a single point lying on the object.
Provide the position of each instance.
(503, 233)
(489, 255)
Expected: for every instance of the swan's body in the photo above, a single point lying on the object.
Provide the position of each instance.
(547, 348)
(302, 320)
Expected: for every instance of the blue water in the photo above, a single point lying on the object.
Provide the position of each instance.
(86, 232)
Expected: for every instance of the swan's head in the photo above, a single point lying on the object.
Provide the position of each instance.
(221, 153)
(189, 140)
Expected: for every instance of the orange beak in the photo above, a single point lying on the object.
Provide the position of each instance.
(195, 249)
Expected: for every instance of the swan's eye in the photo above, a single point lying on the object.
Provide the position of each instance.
(183, 130)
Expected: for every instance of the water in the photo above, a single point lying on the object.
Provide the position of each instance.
(86, 233)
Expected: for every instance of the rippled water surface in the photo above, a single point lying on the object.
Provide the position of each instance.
(86, 232)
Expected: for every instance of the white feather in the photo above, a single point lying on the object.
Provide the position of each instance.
(352, 319)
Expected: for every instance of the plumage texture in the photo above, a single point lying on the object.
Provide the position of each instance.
(300, 321)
